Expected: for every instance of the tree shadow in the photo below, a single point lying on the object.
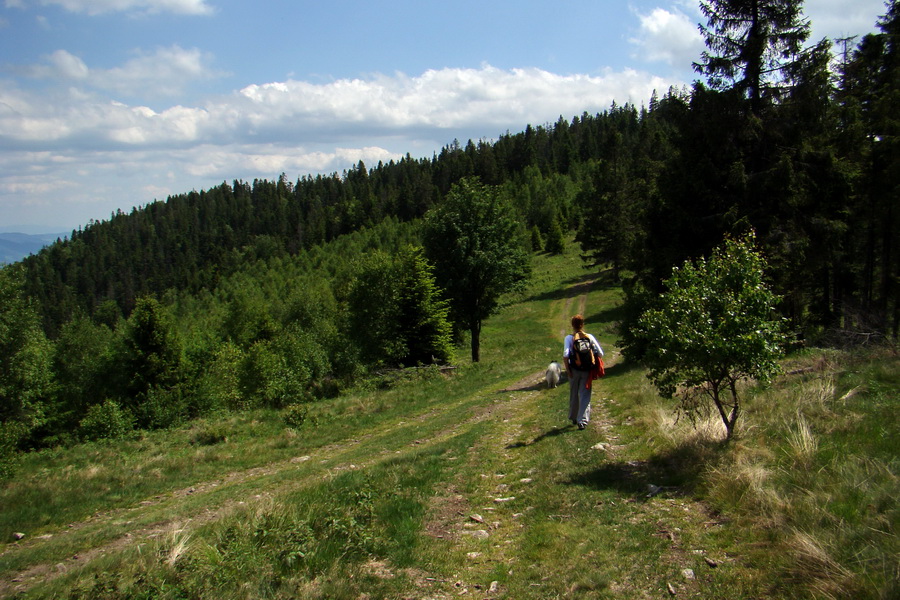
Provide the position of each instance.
(675, 472)
(621, 368)
(576, 286)
(612, 314)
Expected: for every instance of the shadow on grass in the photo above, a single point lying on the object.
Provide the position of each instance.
(621, 368)
(537, 386)
(611, 314)
(577, 286)
(675, 472)
(548, 434)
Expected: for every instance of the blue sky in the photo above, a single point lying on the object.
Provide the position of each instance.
(110, 104)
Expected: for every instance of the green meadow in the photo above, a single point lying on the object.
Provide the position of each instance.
(470, 483)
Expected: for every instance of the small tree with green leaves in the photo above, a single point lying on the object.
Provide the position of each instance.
(713, 327)
(479, 250)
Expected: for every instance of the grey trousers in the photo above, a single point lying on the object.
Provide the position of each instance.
(579, 397)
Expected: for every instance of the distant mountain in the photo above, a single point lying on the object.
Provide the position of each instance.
(16, 246)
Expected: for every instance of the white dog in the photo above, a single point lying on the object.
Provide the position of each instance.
(553, 375)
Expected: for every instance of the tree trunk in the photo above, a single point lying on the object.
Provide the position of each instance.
(735, 409)
(728, 419)
(475, 331)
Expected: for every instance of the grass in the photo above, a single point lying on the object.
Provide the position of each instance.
(472, 485)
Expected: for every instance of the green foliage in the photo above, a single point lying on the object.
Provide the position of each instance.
(423, 312)
(151, 352)
(479, 251)
(284, 370)
(220, 385)
(152, 370)
(83, 367)
(396, 314)
(556, 243)
(248, 318)
(25, 355)
(374, 311)
(12, 433)
(295, 415)
(712, 327)
(751, 45)
(537, 240)
(105, 421)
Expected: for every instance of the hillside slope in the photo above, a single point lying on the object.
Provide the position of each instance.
(463, 485)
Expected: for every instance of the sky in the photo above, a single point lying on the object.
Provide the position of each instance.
(110, 104)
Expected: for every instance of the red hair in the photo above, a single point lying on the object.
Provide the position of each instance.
(577, 322)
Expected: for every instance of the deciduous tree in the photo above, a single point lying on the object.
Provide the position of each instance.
(712, 328)
(479, 251)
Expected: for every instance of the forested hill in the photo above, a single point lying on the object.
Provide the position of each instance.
(808, 159)
(192, 239)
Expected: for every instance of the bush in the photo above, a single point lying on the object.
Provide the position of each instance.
(161, 408)
(713, 327)
(295, 416)
(210, 435)
(11, 433)
(283, 371)
(105, 421)
(221, 384)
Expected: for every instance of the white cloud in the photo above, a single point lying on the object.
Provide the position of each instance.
(840, 18)
(165, 72)
(440, 99)
(94, 148)
(487, 99)
(670, 37)
(68, 65)
(98, 7)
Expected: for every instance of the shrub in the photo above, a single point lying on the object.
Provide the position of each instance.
(105, 421)
(295, 416)
(210, 435)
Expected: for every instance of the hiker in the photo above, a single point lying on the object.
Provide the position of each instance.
(581, 355)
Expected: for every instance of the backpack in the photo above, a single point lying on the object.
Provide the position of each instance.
(582, 357)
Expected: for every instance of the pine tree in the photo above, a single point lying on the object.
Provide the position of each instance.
(750, 44)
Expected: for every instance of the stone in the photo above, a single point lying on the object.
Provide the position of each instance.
(480, 534)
